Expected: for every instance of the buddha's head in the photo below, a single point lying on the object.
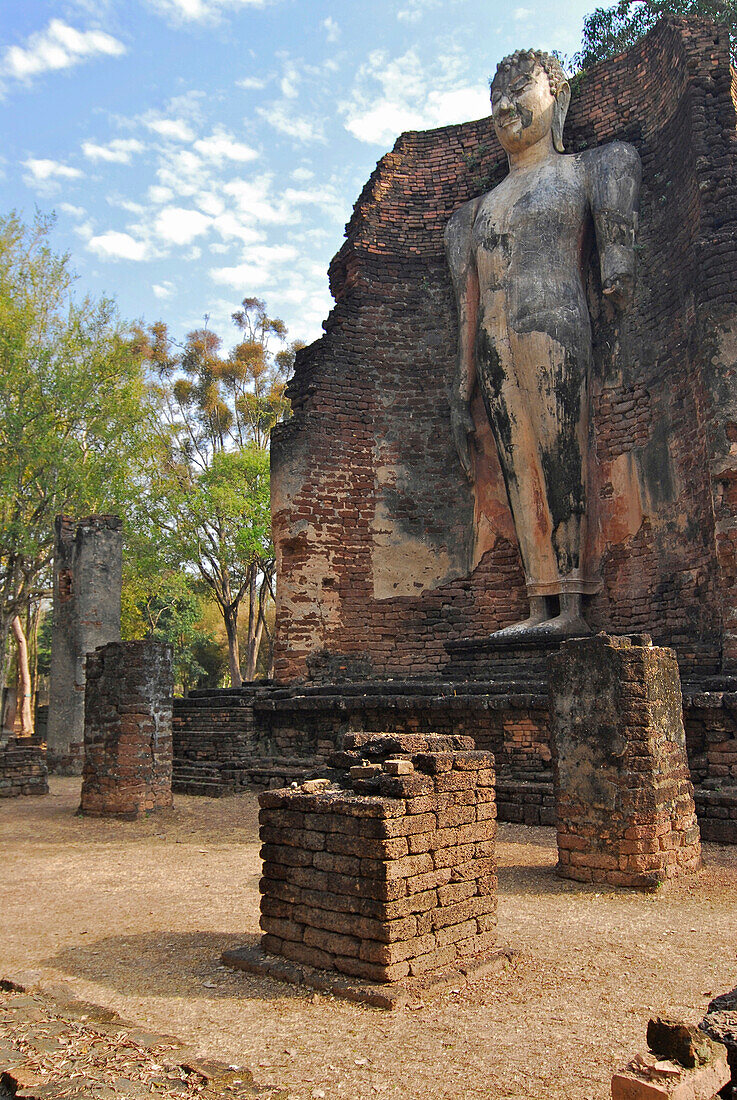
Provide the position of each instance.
(529, 99)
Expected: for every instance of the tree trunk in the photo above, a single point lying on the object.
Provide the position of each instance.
(230, 617)
(252, 644)
(24, 679)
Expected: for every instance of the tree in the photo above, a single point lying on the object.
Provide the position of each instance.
(75, 424)
(609, 31)
(219, 411)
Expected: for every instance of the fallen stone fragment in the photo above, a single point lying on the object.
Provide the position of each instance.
(650, 1076)
(398, 767)
(683, 1043)
(365, 771)
(313, 786)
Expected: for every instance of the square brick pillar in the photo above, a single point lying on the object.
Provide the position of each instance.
(624, 799)
(127, 729)
(389, 870)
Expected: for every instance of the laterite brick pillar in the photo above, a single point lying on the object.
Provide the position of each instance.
(88, 571)
(127, 729)
(624, 799)
(388, 871)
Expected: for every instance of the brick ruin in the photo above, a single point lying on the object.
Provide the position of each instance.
(22, 766)
(388, 869)
(88, 567)
(127, 730)
(624, 809)
(384, 552)
(388, 560)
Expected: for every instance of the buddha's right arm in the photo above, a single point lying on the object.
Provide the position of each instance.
(466, 285)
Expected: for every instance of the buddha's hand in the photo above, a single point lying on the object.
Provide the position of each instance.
(462, 427)
(618, 289)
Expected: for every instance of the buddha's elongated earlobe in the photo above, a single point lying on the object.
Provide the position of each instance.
(560, 110)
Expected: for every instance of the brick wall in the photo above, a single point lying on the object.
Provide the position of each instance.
(624, 804)
(23, 767)
(388, 871)
(384, 551)
(127, 729)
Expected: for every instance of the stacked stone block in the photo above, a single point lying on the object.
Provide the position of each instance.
(22, 767)
(624, 799)
(127, 732)
(388, 870)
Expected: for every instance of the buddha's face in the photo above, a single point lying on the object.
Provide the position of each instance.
(522, 107)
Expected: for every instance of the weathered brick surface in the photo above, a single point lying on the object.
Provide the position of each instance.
(88, 565)
(23, 767)
(384, 551)
(367, 877)
(625, 811)
(224, 742)
(127, 731)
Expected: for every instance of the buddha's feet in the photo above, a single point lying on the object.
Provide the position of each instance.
(560, 626)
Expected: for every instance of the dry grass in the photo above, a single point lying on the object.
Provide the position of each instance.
(134, 915)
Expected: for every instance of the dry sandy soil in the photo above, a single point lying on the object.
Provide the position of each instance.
(134, 915)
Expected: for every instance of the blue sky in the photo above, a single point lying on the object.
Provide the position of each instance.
(198, 151)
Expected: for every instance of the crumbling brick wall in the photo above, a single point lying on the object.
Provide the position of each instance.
(127, 730)
(22, 767)
(384, 551)
(624, 803)
(388, 873)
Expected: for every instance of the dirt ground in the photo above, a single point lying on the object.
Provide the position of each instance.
(134, 916)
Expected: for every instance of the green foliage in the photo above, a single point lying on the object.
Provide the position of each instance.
(76, 429)
(610, 31)
(210, 506)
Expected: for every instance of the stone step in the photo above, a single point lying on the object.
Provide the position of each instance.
(202, 788)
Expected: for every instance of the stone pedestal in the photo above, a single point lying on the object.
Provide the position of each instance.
(624, 799)
(390, 871)
(88, 566)
(127, 732)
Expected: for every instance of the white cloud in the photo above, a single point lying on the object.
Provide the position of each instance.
(221, 145)
(163, 290)
(230, 227)
(118, 151)
(413, 96)
(71, 210)
(179, 226)
(175, 128)
(118, 246)
(415, 10)
(289, 83)
(303, 175)
(261, 267)
(520, 14)
(59, 46)
(282, 117)
(199, 11)
(254, 83)
(255, 203)
(331, 28)
(45, 174)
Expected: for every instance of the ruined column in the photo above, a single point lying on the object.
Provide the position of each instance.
(624, 799)
(88, 568)
(127, 730)
(388, 871)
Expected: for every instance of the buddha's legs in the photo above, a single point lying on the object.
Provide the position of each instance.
(536, 400)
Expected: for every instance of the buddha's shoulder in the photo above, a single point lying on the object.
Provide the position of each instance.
(615, 156)
(461, 220)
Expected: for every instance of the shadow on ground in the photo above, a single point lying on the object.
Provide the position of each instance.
(167, 964)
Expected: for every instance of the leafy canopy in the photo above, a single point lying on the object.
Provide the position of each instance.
(76, 428)
(610, 31)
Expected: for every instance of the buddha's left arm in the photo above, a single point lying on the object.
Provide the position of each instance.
(615, 172)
